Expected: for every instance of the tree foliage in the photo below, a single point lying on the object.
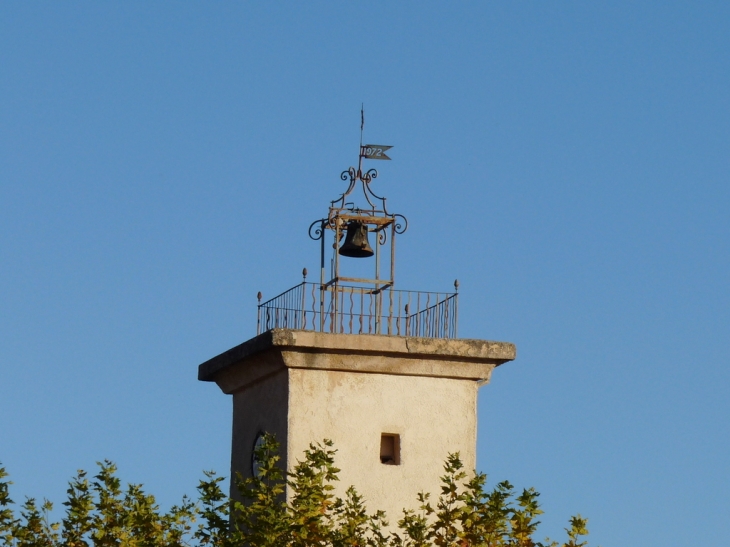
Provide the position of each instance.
(100, 513)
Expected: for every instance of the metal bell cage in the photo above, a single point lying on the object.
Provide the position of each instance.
(352, 305)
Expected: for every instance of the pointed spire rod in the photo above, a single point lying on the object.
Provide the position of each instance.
(362, 126)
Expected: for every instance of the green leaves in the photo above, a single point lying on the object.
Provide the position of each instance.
(275, 509)
(261, 517)
(213, 511)
(313, 516)
(310, 510)
(466, 514)
(8, 522)
(79, 507)
(99, 514)
(577, 528)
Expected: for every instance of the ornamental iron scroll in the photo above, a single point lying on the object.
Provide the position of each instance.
(365, 178)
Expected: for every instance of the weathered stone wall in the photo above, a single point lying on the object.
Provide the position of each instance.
(260, 406)
(432, 416)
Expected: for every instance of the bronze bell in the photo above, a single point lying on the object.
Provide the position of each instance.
(356, 243)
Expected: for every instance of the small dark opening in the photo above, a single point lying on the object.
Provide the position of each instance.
(390, 449)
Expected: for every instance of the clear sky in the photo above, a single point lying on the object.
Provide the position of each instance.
(566, 161)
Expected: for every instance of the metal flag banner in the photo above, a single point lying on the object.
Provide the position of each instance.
(374, 151)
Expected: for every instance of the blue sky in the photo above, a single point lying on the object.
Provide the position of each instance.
(566, 161)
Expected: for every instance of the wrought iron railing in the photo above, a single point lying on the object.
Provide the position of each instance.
(361, 310)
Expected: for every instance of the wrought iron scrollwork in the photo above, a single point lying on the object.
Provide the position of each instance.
(319, 232)
(369, 176)
(400, 228)
(350, 174)
(354, 175)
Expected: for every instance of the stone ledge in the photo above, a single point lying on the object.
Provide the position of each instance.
(407, 350)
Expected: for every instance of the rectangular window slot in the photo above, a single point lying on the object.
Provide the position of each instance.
(390, 449)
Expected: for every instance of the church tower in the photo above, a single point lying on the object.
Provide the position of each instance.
(378, 370)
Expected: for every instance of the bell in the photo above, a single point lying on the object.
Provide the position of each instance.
(356, 243)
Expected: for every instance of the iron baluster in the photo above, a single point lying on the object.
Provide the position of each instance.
(456, 308)
(390, 312)
(408, 318)
(437, 317)
(342, 311)
(446, 315)
(362, 307)
(314, 309)
(370, 313)
(258, 313)
(352, 305)
(428, 311)
(321, 307)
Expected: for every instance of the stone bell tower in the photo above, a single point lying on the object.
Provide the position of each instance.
(379, 371)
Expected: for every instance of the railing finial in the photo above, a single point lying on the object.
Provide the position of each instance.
(259, 296)
(304, 274)
(456, 285)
